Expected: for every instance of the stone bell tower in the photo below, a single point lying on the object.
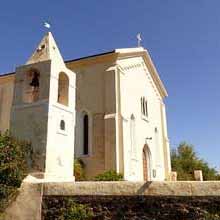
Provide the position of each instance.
(43, 110)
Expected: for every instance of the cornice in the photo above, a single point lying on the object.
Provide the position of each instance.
(7, 78)
(112, 57)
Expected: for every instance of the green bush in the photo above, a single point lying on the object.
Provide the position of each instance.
(79, 170)
(184, 161)
(110, 175)
(13, 167)
(77, 211)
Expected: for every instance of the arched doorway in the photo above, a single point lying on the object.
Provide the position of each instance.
(146, 163)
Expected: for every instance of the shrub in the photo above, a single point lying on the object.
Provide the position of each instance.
(79, 170)
(110, 175)
(184, 160)
(77, 211)
(13, 167)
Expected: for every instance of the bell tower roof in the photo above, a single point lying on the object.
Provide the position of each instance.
(47, 50)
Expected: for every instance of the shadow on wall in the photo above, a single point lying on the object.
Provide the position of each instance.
(144, 187)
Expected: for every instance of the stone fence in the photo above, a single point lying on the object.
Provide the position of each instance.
(180, 188)
(28, 205)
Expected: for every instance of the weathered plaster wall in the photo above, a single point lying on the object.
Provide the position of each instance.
(6, 97)
(95, 96)
(29, 121)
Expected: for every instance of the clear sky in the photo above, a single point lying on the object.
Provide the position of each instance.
(183, 38)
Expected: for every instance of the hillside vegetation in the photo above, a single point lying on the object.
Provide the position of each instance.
(14, 156)
(185, 160)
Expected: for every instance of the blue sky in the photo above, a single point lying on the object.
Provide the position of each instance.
(183, 38)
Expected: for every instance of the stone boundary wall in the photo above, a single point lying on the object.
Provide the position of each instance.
(183, 188)
(28, 205)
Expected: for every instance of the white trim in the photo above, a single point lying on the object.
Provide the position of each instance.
(30, 105)
(117, 119)
(108, 116)
(62, 107)
(144, 117)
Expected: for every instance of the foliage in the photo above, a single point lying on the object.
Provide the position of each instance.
(131, 207)
(184, 161)
(209, 216)
(77, 211)
(79, 170)
(13, 167)
(110, 175)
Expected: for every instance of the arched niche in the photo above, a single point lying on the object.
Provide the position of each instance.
(63, 89)
(31, 89)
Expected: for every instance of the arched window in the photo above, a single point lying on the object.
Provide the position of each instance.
(62, 125)
(132, 134)
(144, 107)
(85, 134)
(63, 89)
(141, 105)
(31, 86)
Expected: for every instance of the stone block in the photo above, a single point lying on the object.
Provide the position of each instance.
(173, 176)
(198, 175)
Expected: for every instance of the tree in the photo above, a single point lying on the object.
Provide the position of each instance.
(14, 157)
(184, 161)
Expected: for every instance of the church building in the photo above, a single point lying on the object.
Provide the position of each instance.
(106, 109)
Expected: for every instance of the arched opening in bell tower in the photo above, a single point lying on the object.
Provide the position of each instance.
(63, 89)
(31, 86)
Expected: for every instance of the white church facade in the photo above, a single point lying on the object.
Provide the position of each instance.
(106, 109)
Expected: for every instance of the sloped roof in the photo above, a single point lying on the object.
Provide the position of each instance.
(46, 50)
(119, 53)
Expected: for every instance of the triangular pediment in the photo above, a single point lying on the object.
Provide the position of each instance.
(147, 65)
(46, 50)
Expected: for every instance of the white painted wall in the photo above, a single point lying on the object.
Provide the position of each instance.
(135, 82)
(60, 144)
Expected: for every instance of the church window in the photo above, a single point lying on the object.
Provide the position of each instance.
(85, 134)
(62, 125)
(144, 107)
(63, 89)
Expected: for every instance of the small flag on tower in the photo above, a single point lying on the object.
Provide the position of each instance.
(139, 39)
(47, 25)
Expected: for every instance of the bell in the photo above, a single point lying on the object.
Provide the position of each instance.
(35, 81)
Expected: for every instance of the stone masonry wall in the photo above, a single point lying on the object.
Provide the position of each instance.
(138, 207)
(118, 200)
(136, 200)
